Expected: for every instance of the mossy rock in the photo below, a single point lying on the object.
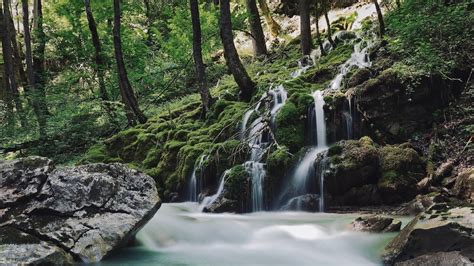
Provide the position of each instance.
(401, 169)
(290, 127)
(353, 163)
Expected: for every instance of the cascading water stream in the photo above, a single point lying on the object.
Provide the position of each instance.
(211, 199)
(258, 143)
(195, 184)
(306, 169)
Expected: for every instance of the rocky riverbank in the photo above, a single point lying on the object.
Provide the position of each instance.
(62, 215)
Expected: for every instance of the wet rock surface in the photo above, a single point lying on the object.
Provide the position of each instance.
(308, 202)
(376, 224)
(440, 236)
(82, 212)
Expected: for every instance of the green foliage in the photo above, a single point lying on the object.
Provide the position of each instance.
(433, 35)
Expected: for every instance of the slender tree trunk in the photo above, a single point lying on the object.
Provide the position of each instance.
(30, 72)
(128, 96)
(380, 18)
(197, 53)
(305, 27)
(17, 54)
(258, 38)
(38, 67)
(331, 41)
(272, 25)
(9, 61)
(318, 36)
(246, 85)
(99, 61)
(6, 92)
(149, 22)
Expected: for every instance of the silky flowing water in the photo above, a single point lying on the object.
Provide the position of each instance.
(180, 234)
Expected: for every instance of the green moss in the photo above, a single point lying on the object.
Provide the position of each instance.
(334, 150)
(98, 154)
(290, 127)
(236, 182)
(401, 168)
(279, 160)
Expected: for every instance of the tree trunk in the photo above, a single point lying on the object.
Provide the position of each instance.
(17, 54)
(318, 36)
(197, 53)
(6, 91)
(258, 38)
(331, 41)
(10, 73)
(132, 109)
(40, 117)
(380, 18)
(305, 27)
(272, 25)
(99, 61)
(246, 85)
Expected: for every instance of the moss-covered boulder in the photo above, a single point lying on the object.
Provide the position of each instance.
(401, 168)
(279, 163)
(352, 163)
(290, 127)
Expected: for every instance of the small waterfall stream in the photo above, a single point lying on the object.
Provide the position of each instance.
(259, 140)
(211, 199)
(306, 168)
(195, 184)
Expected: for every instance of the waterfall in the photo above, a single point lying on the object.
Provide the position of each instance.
(195, 184)
(320, 120)
(348, 117)
(359, 58)
(303, 65)
(245, 120)
(211, 199)
(259, 140)
(306, 170)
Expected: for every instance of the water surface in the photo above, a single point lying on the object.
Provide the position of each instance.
(180, 235)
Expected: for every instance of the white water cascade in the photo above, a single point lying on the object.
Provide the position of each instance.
(179, 234)
(259, 140)
(359, 58)
(195, 184)
(211, 199)
(303, 65)
(306, 169)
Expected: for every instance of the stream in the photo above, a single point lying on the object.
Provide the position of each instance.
(180, 234)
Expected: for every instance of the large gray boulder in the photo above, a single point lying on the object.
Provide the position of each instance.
(437, 236)
(81, 213)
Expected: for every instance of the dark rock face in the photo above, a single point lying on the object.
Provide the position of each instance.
(308, 203)
(395, 111)
(433, 234)
(82, 212)
(438, 258)
(376, 224)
